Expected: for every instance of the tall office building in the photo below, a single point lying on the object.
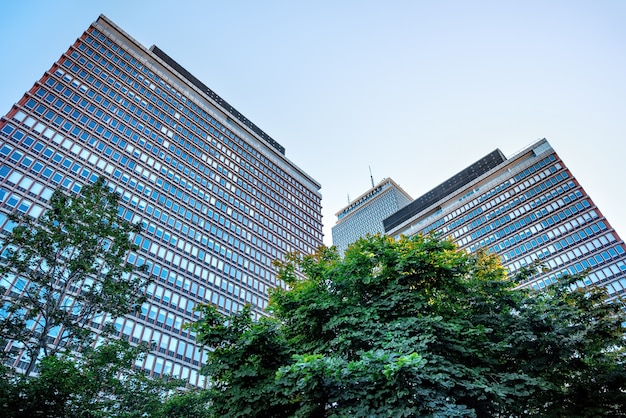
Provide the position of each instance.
(366, 213)
(218, 198)
(525, 208)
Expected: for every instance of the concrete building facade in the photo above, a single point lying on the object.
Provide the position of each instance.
(525, 208)
(217, 196)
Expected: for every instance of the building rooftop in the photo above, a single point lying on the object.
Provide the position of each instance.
(223, 103)
(460, 179)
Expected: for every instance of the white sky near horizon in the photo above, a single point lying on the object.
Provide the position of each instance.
(416, 90)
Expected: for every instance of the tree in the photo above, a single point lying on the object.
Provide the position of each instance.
(242, 364)
(417, 327)
(192, 403)
(100, 382)
(65, 273)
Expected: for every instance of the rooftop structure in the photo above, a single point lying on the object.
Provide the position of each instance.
(365, 214)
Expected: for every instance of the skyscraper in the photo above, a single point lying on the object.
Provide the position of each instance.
(525, 208)
(217, 196)
(365, 214)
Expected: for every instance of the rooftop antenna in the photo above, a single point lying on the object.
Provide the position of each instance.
(348, 198)
(371, 177)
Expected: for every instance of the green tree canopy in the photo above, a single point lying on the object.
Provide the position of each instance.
(65, 273)
(416, 327)
(102, 382)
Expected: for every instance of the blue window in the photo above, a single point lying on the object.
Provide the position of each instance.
(16, 156)
(12, 201)
(9, 226)
(8, 129)
(28, 141)
(24, 207)
(5, 150)
(57, 178)
(47, 172)
(27, 162)
(4, 171)
(38, 146)
(18, 135)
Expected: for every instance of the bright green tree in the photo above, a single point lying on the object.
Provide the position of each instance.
(66, 272)
(417, 327)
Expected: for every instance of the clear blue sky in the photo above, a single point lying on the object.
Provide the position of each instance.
(418, 90)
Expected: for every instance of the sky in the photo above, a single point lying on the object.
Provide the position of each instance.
(414, 90)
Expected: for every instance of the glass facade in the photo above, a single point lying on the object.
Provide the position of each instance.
(365, 215)
(530, 207)
(217, 197)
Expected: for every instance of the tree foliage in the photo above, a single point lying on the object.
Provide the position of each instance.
(102, 382)
(243, 362)
(417, 327)
(64, 272)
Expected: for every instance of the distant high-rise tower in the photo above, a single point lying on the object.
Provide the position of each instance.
(366, 213)
(218, 198)
(525, 208)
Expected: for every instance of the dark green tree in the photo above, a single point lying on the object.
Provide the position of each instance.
(243, 361)
(101, 382)
(65, 273)
(417, 327)
(191, 403)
